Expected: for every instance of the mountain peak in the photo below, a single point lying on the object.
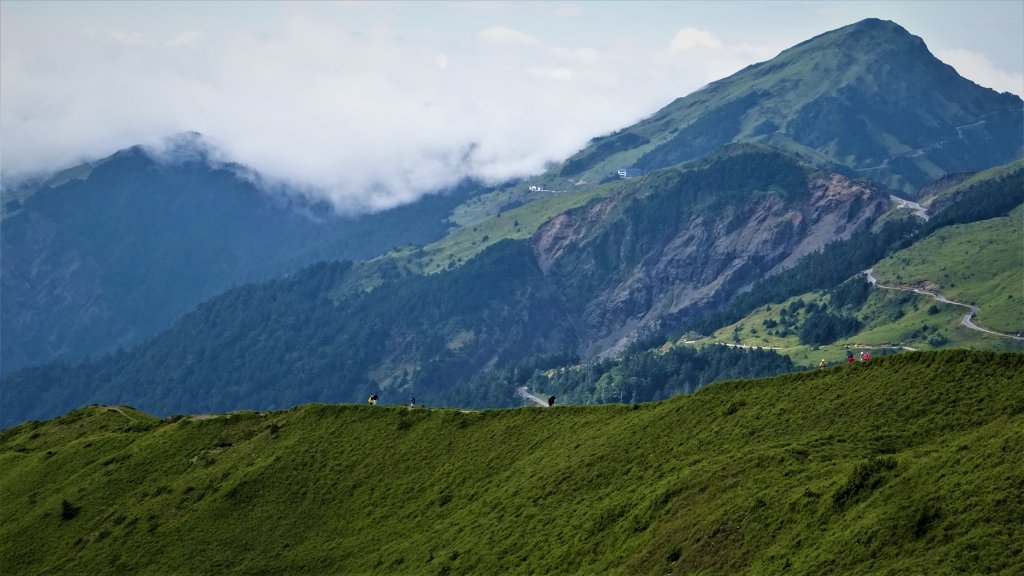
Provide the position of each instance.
(866, 38)
(869, 96)
(189, 146)
(877, 24)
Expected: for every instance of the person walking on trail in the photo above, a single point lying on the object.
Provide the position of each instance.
(861, 356)
(412, 401)
(372, 400)
(551, 401)
(867, 356)
(822, 363)
(849, 357)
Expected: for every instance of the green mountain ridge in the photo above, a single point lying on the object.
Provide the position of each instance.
(906, 464)
(111, 253)
(585, 271)
(868, 96)
(589, 279)
(339, 332)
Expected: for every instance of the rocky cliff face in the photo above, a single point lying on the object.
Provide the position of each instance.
(651, 275)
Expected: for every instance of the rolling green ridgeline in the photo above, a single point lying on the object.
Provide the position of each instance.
(963, 182)
(912, 464)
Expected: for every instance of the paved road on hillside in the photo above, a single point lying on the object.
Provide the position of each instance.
(904, 203)
(524, 393)
(920, 151)
(966, 320)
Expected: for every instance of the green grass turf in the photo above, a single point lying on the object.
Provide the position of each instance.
(911, 464)
(980, 263)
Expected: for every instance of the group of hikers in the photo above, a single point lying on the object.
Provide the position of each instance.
(373, 399)
(864, 357)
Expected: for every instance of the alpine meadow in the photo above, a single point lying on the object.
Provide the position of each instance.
(774, 327)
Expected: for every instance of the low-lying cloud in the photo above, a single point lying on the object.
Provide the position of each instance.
(367, 116)
(976, 66)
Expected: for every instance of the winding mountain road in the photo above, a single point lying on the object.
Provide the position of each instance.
(524, 393)
(966, 320)
(904, 203)
(920, 151)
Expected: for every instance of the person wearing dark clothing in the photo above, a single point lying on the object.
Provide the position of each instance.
(551, 401)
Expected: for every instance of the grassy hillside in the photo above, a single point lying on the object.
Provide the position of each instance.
(908, 464)
(965, 184)
(869, 96)
(517, 223)
(890, 321)
(981, 263)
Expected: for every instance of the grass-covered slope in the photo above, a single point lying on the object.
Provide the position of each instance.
(869, 96)
(908, 464)
(980, 263)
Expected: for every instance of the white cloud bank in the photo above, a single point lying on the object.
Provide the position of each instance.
(368, 116)
(978, 68)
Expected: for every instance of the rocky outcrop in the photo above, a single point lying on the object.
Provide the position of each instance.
(649, 276)
(568, 228)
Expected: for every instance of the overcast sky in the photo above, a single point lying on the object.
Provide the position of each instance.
(375, 103)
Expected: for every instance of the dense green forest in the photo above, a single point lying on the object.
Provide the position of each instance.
(639, 375)
(269, 345)
(989, 198)
(298, 339)
(447, 337)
